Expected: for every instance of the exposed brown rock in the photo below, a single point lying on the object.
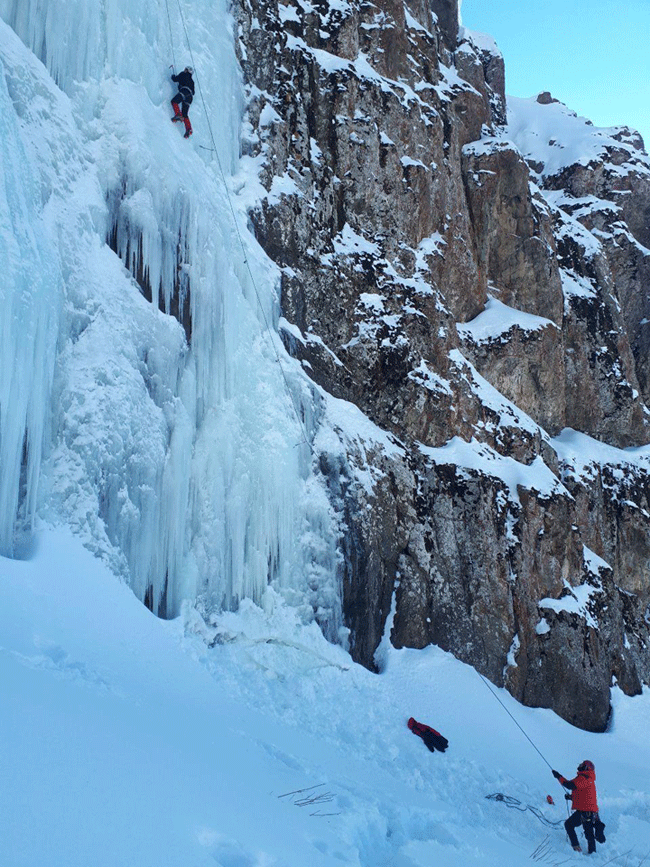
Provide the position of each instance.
(411, 208)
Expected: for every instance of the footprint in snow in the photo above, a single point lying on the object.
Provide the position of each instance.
(230, 853)
(54, 658)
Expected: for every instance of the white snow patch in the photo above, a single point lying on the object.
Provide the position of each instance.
(288, 13)
(593, 563)
(423, 375)
(350, 242)
(408, 161)
(576, 601)
(481, 41)
(575, 285)
(556, 137)
(477, 458)
(497, 319)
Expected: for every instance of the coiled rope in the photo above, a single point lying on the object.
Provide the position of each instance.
(515, 804)
(534, 746)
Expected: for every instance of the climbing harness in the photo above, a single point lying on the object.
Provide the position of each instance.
(515, 804)
(236, 224)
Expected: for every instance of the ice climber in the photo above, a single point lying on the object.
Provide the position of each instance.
(585, 806)
(183, 99)
(433, 739)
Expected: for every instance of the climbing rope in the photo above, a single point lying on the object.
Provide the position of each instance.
(171, 34)
(515, 804)
(512, 718)
(506, 798)
(236, 225)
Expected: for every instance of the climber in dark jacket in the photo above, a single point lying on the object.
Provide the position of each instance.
(183, 99)
(585, 805)
(433, 739)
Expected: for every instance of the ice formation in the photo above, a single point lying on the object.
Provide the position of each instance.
(30, 301)
(185, 463)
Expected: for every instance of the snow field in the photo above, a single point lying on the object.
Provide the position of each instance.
(128, 740)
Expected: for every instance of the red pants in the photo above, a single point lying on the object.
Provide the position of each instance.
(182, 112)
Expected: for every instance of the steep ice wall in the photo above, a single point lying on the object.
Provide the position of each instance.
(30, 300)
(182, 461)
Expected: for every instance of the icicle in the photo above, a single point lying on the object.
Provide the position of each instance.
(29, 305)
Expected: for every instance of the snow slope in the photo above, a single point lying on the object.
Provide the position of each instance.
(127, 740)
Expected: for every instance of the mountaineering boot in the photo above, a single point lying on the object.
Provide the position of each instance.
(177, 117)
(188, 127)
(177, 112)
(577, 849)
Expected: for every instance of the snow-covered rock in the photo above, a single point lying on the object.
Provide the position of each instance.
(441, 282)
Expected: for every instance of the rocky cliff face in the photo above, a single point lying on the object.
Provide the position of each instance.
(477, 285)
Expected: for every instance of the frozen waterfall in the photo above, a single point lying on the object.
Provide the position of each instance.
(145, 388)
(30, 294)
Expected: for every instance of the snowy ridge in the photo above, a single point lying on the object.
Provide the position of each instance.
(506, 413)
(554, 137)
(482, 42)
(583, 459)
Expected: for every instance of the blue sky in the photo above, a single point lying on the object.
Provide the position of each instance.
(592, 55)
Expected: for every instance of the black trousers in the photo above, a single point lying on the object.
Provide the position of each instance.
(435, 741)
(184, 99)
(589, 823)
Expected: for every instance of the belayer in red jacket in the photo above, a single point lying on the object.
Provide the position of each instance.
(585, 805)
(433, 739)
